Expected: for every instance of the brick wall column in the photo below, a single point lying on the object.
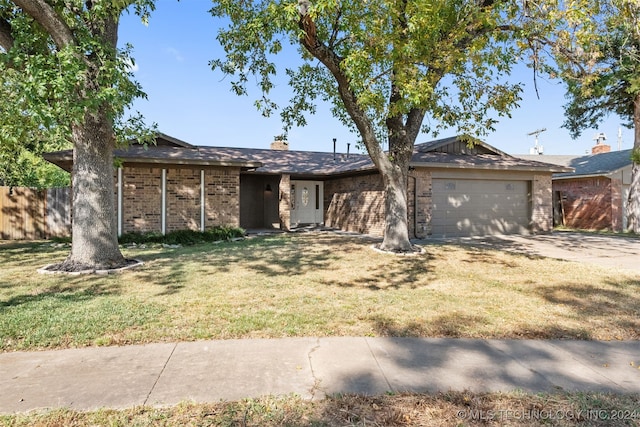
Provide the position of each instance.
(120, 185)
(421, 218)
(541, 204)
(163, 202)
(616, 205)
(284, 206)
(203, 201)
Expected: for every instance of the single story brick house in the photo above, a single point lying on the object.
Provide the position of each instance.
(594, 196)
(453, 189)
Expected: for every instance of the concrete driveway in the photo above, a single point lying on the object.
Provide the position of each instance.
(616, 252)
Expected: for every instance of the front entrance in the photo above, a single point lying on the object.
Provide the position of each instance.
(307, 202)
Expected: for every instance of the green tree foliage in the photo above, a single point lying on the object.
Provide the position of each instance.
(596, 48)
(64, 83)
(390, 68)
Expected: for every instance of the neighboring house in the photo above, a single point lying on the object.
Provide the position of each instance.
(594, 196)
(453, 189)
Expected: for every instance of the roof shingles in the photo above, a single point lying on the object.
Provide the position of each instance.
(310, 163)
(588, 165)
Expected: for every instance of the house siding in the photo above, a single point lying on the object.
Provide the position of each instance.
(141, 199)
(183, 199)
(355, 204)
(588, 203)
(541, 204)
(284, 204)
(222, 197)
(420, 202)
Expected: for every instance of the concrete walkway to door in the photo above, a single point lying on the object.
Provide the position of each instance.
(609, 251)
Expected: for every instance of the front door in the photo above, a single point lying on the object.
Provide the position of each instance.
(306, 202)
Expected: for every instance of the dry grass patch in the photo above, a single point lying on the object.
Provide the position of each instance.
(442, 409)
(318, 284)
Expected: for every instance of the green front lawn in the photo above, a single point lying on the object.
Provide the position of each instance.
(315, 284)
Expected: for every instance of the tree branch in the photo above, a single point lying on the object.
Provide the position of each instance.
(332, 60)
(336, 26)
(414, 122)
(46, 16)
(6, 38)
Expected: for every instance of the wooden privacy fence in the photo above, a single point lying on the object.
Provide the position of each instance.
(28, 214)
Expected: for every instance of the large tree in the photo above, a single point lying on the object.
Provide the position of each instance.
(386, 66)
(68, 81)
(595, 45)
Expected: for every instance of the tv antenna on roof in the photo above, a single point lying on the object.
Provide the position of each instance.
(537, 149)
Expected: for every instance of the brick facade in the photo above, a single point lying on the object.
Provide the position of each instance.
(183, 199)
(352, 203)
(222, 197)
(591, 203)
(420, 192)
(284, 205)
(541, 204)
(142, 198)
(355, 204)
(617, 212)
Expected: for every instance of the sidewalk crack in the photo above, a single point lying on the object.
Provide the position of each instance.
(160, 374)
(316, 382)
(379, 366)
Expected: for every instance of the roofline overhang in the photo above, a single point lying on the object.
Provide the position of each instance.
(176, 141)
(182, 162)
(67, 158)
(324, 175)
(590, 175)
(593, 175)
(558, 169)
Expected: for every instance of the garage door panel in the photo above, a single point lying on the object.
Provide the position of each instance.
(475, 207)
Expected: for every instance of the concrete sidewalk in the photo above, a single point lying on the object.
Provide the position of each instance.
(209, 371)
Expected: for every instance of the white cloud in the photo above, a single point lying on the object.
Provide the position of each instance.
(175, 53)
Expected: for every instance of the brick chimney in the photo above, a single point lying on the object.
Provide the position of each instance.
(279, 143)
(600, 146)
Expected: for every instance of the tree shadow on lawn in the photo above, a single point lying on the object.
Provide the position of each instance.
(619, 309)
(593, 300)
(397, 273)
(450, 325)
(171, 283)
(75, 291)
(288, 255)
(484, 251)
(31, 255)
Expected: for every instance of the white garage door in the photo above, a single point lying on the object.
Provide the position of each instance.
(465, 207)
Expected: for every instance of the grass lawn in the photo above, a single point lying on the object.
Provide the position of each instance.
(442, 409)
(322, 284)
(315, 284)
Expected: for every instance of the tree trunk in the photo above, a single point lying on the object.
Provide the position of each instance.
(94, 227)
(396, 231)
(394, 168)
(633, 203)
(401, 139)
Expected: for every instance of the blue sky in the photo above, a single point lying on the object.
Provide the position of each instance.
(191, 102)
